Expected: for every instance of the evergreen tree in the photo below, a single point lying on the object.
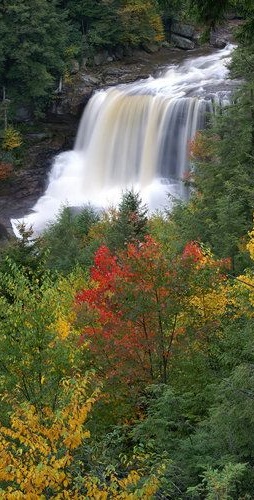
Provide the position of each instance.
(33, 51)
(130, 223)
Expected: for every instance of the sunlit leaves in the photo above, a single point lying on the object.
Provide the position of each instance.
(37, 449)
(38, 343)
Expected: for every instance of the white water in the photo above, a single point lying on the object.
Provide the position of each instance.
(135, 136)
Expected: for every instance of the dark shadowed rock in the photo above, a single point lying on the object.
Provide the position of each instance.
(218, 41)
(4, 236)
(119, 53)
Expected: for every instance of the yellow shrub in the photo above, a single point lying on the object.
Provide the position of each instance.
(11, 139)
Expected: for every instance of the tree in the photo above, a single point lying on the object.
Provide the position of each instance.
(142, 303)
(40, 453)
(222, 202)
(140, 22)
(210, 13)
(129, 223)
(32, 54)
(37, 450)
(67, 241)
(38, 343)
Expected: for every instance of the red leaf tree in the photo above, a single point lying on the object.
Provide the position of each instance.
(135, 307)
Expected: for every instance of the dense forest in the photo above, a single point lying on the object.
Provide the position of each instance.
(126, 340)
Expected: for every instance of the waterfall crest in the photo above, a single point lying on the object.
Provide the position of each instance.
(136, 135)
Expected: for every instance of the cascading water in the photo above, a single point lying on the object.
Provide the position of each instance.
(135, 136)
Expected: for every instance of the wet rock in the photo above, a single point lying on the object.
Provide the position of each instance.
(218, 41)
(182, 43)
(38, 136)
(115, 72)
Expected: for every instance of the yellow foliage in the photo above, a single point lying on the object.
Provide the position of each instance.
(243, 289)
(68, 78)
(63, 328)
(243, 293)
(37, 454)
(63, 298)
(212, 304)
(250, 245)
(128, 488)
(37, 450)
(11, 139)
(142, 20)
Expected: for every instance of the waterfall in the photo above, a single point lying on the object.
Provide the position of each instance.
(136, 136)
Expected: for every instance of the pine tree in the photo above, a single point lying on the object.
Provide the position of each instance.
(130, 223)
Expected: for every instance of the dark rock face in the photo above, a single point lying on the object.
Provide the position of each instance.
(4, 236)
(101, 57)
(19, 193)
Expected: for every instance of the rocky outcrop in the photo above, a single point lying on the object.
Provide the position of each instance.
(218, 40)
(71, 100)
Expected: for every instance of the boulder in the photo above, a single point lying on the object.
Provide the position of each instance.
(150, 47)
(23, 114)
(218, 41)
(100, 57)
(182, 43)
(185, 30)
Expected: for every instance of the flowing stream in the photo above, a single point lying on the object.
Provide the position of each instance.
(136, 136)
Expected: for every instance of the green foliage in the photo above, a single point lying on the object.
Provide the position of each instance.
(32, 52)
(227, 171)
(36, 338)
(219, 484)
(67, 239)
(129, 223)
(210, 12)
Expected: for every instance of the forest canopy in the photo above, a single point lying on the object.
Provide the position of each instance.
(126, 340)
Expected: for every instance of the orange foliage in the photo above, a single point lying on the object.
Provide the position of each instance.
(202, 147)
(6, 169)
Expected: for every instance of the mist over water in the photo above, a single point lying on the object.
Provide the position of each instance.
(136, 136)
